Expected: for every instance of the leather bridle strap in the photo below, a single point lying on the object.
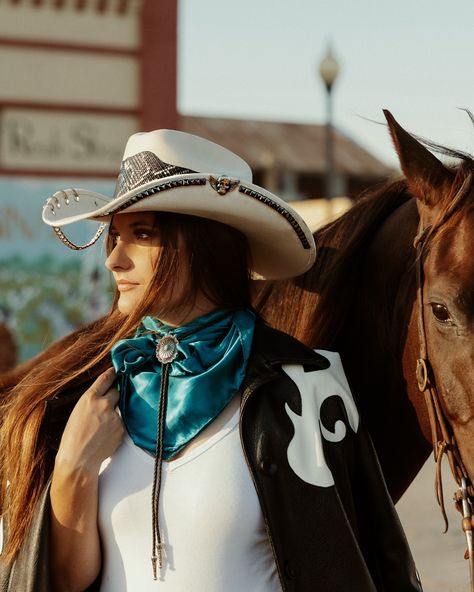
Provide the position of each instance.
(443, 439)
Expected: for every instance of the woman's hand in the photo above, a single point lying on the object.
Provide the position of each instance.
(94, 430)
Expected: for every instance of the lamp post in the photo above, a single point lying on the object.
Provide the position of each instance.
(329, 71)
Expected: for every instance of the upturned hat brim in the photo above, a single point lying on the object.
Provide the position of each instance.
(281, 244)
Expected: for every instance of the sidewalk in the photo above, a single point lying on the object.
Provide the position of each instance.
(439, 557)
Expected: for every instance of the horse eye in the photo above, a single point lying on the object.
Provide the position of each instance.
(441, 312)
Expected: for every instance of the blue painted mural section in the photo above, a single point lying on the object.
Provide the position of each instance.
(46, 289)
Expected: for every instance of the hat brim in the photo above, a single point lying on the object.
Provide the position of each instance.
(280, 242)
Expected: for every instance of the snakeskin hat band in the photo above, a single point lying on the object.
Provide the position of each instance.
(173, 171)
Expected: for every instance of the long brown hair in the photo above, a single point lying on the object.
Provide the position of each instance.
(217, 260)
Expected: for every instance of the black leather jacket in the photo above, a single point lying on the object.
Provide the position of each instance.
(338, 538)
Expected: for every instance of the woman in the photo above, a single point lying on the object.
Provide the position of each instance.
(243, 464)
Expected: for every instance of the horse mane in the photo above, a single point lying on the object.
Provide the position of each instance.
(314, 306)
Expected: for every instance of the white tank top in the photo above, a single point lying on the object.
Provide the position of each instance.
(210, 519)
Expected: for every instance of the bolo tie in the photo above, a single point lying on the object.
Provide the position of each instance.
(166, 352)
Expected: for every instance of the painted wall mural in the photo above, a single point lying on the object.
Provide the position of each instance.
(46, 290)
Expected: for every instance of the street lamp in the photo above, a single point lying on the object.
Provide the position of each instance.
(329, 71)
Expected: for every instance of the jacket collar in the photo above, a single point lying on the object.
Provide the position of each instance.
(272, 348)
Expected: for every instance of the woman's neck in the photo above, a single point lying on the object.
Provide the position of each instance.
(176, 318)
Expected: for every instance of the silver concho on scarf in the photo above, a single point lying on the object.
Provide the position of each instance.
(167, 349)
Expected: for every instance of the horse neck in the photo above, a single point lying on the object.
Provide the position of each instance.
(387, 288)
(379, 349)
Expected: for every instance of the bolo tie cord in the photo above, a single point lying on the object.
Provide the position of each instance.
(157, 547)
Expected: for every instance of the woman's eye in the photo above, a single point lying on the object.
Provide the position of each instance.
(142, 234)
(441, 313)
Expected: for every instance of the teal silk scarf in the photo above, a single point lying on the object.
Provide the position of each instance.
(213, 351)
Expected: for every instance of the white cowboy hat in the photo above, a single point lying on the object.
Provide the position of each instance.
(172, 171)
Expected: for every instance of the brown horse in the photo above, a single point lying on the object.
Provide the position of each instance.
(361, 299)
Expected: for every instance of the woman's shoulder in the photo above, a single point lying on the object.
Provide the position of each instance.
(278, 347)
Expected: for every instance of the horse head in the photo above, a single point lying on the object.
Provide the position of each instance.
(443, 315)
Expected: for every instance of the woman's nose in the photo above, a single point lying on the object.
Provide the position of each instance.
(118, 259)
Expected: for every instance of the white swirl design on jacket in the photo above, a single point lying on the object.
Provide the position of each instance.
(305, 451)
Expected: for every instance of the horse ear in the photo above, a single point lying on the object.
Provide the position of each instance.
(426, 176)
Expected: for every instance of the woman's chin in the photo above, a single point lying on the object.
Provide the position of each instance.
(126, 305)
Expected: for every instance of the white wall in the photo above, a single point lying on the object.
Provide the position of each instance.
(68, 25)
(77, 78)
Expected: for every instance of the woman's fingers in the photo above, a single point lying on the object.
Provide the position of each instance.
(102, 387)
(103, 383)
(94, 430)
(112, 395)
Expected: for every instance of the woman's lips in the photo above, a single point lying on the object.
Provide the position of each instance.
(124, 286)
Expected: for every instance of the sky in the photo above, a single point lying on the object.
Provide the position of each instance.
(259, 59)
